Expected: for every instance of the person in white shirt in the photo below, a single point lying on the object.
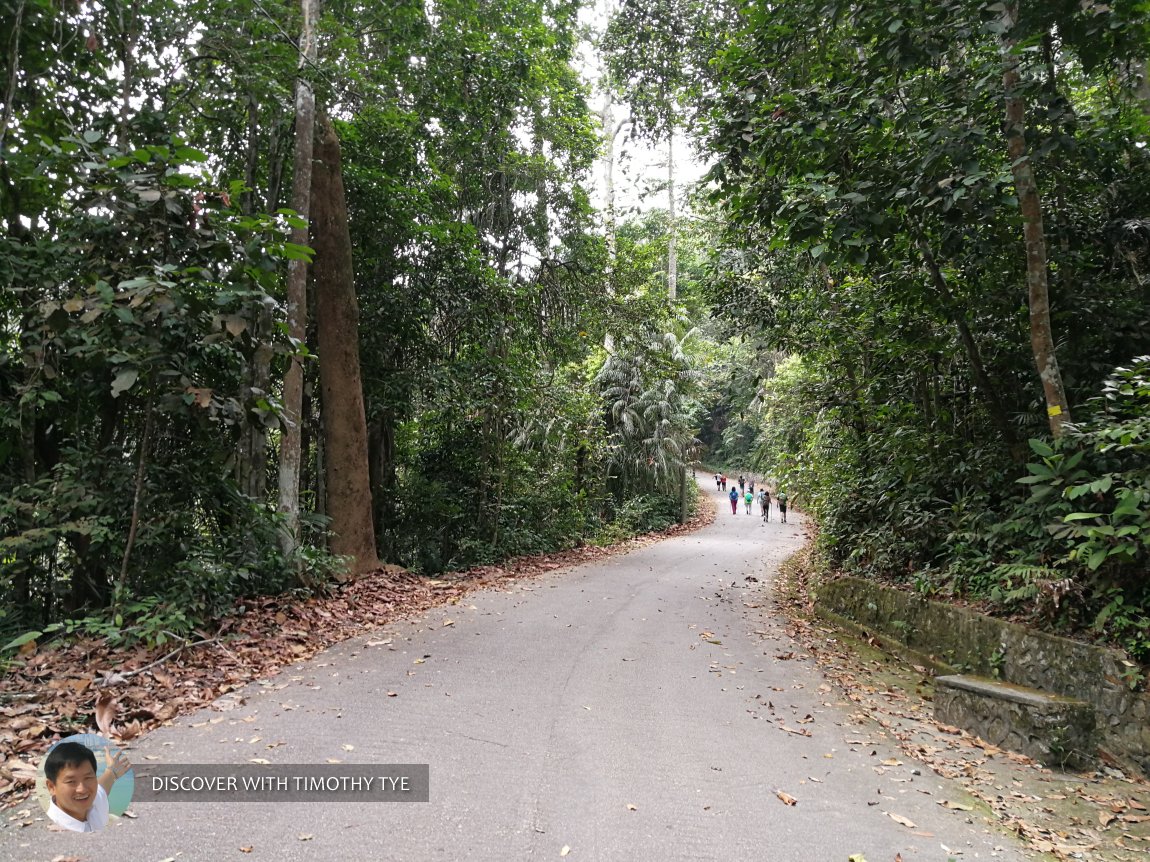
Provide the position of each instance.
(79, 798)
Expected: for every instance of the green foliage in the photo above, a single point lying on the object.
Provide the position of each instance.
(1103, 463)
(142, 268)
(658, 56)
(122, 377)
(872, 232)
(641, 514)
(933, 521)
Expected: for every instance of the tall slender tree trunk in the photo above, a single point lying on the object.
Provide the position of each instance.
(290, 449)
(607, 117)
(251, 463)
(672, 222)
(16, 20)
(126, 51)
(1030, 204)
(346, 472)
(542, 225)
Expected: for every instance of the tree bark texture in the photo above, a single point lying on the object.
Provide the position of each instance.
(607, 118)
(672, 224)
(337, 326)
(1030, 204)
(290, 440)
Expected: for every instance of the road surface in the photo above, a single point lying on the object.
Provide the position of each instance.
(649, 706)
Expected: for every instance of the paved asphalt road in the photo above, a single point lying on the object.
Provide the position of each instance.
(631, 709)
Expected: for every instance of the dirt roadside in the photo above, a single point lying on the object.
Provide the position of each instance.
(1096, 816)
(83, 685)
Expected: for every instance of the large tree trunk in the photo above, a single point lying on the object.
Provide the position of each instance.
(1030, 204)
(337, 329)
(290, 449)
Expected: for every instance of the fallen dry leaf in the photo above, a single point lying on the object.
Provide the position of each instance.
(631, 807)
(786, 797)
(565, 850)
(902, 821)
(306, 836)
(105, 714)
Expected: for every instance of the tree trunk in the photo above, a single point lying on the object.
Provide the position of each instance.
(381, 463)
(290, 450)
(609, 132)
(683, 494)
(126, 54)
(1030, 204)
(542, 225)
(672, 224)
(337, 327)
(251, 463)
(13, 70)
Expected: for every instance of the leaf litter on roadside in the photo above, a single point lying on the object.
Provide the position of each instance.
(51, 691)
(1061, 815)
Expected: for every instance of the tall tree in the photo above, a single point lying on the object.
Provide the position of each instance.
(292, 433)
(337, 326)
(1030, 204)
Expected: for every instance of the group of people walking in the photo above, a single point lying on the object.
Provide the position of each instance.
(746, 493)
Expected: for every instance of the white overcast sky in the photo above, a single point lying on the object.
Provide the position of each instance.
(639, 167)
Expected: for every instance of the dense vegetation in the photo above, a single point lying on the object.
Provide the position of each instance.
(913, 289)
(147, 189)
(906, 188)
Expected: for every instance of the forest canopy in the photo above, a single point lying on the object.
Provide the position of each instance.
(290, 291)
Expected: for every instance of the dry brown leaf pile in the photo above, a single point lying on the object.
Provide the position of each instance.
(84, 685)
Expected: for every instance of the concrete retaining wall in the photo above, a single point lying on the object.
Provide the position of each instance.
(969, 642)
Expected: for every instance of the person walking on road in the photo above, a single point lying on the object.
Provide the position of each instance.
(748, 498)
(734, 498)
(742, 483)
(781, 497)
(718, 481)
(765, 504)
(723, 479)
